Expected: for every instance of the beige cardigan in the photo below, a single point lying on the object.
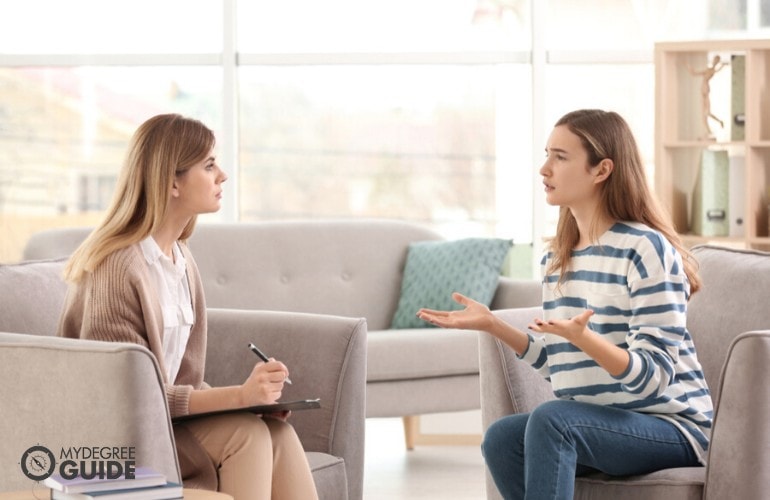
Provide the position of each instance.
(117, 302)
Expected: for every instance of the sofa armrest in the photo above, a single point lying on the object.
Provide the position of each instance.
(739, 452)
(326, 357)
(509, 385)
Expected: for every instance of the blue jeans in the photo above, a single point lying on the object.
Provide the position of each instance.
(537, 455)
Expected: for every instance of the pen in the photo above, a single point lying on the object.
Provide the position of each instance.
(264, 358)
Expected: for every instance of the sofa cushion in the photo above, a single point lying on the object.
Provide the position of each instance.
(683, 483)
(421, 353)
(435, 269)
(31, 296)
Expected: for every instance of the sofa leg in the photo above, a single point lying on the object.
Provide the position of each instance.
(411, 430)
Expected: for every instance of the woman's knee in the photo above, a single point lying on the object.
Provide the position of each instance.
(554, 417)
(492, 437)
(550, 410)
(281, 432)
(503, 434)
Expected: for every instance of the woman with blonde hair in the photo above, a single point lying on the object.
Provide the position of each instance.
(134, 280)
(630, 393)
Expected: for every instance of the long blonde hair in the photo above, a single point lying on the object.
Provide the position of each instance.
(625, 195)
(161, 148)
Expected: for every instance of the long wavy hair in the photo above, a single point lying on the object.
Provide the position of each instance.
(161, 148)
(625, 194)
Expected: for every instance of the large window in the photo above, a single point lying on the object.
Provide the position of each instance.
(373, 27)
(435, 111)
(64, 132)
(414, 142)
(85, 27)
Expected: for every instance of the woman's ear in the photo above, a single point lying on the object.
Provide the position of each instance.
(174, 190)
(603, 170)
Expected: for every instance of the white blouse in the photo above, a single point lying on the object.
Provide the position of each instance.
(170, 280)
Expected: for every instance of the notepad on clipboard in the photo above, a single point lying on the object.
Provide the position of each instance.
(302, 404)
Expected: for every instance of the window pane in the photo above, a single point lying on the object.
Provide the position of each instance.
(64, 132)
(728, 15)
(623, 24)
(628, 89)
(99, 27)
(764, 14)
(411, 142)
(374, 26)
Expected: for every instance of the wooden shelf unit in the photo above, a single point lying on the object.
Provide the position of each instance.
(680, 137)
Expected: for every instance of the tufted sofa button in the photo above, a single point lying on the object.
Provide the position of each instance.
(345, 276)
(284, 279)
(221, 280)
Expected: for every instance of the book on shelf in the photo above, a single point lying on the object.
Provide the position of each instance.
(737, 188)
(303, 404)
(738, 104)
(166, 491)
(710, 204)
(143, 477)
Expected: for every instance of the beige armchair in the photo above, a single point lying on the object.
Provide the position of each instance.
(729, 320)
(62, 393)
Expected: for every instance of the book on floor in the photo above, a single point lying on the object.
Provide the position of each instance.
(167, 491)
(143, 477)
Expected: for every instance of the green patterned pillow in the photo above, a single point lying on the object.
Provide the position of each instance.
(435, 269)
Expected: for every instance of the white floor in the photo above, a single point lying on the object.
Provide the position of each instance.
(427, 472)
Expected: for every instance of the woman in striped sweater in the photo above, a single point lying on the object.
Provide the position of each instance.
(613, 342)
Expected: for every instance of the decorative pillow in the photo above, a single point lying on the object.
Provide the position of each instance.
(435, 269)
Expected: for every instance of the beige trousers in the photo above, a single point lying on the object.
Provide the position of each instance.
(256, 458)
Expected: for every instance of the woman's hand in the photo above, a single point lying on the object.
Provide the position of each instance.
(575, 330)
(570, 329)
(265, 383)
(475, 316)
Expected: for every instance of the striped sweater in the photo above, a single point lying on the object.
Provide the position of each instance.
(633, 280)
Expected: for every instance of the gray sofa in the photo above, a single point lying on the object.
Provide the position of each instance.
(729, 320)
(350, 268)
(63, 393)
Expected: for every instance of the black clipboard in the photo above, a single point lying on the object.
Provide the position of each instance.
(302, 404)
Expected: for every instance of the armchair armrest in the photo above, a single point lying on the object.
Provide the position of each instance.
(509, 385)
(739, 452)
(326, 357)
(69, 393)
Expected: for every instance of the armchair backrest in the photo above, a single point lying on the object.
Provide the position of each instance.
(31, 296)
(733, 300)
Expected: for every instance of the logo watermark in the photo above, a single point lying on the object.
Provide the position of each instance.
(88, 462)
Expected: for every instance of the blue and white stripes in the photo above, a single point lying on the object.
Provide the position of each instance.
(634, 282)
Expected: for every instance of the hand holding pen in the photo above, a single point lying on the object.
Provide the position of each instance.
(264, 358)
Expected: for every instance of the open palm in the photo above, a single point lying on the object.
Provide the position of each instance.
(474, 316)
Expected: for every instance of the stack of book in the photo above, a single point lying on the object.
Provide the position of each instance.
(146, 485)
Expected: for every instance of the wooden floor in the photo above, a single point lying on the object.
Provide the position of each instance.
(427, 472)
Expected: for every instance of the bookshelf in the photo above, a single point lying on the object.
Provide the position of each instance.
(681, 138)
